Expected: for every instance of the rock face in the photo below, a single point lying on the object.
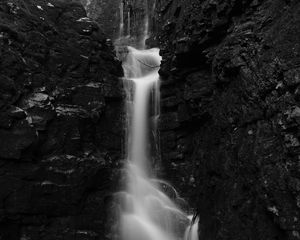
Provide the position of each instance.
(230, 113)
(60, 122)
(106, 13)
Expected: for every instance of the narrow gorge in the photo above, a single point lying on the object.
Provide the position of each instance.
(149, 120)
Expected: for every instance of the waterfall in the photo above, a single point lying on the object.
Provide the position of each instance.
(191, 233)
(129, 23)
(147, 212)
(121, 19)
(149, 207)
(146, 25)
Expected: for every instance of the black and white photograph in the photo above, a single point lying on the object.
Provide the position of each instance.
(149, 119)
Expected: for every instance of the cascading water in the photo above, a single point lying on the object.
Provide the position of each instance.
(147, 213)
(143, 214)
(146, 25)
(128, 23)
(121, 18)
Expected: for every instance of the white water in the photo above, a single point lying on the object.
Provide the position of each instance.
(140, 67)
(147, 212)
(191, 233)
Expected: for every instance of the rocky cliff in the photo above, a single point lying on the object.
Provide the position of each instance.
(106, 14)
(60, 122)
(231, 113)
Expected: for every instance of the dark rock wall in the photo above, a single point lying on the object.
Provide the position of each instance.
(230, 113)
(60, 122)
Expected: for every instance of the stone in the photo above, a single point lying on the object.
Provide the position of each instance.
(60, 97)
(234, 67)
(16, 139)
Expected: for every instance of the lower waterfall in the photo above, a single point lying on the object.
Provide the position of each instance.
(147, 213)
(150, 208)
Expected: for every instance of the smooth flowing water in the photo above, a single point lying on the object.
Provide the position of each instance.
(128, 23)
(147, 212)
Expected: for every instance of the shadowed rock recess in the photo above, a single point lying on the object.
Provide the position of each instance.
(231, 113)
(61, 127)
